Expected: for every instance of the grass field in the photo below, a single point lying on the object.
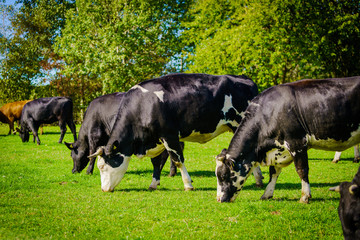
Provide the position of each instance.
(41, 199)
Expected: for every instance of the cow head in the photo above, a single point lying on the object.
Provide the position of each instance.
(349, 207)
(231, 176)
(79, 156)
(24, 134)
(112, 168)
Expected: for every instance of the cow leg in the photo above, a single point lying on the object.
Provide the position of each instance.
(158, 163)
(173, 169)
(356, 154)
(302, 169)
(176, 155)
(35, 135)
(90, 168)
(269, 191)
(62, 126)
(336, 157)
(72, 127)
(258, 177)
(11, 127)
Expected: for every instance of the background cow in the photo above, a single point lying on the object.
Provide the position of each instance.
(356, 155)
(4, 119)
(157, 114)
(349, 207)
(95, 130)
(282, 123)
(12, 111)
(46, 110)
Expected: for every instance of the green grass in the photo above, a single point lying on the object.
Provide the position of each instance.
(41, 199)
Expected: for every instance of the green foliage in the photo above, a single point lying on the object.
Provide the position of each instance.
(41, 199)
(274, 42)
(28, 51)
(120, 43)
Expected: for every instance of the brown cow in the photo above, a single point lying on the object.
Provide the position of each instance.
(13, 112)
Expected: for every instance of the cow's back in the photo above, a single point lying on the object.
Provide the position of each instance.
(13, 110)
(188, 101)
(320, 111)
(47, 110)
(100, 115)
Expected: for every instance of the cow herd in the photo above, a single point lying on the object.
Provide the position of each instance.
(155, 117)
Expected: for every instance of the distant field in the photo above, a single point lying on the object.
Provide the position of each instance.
(41, 199)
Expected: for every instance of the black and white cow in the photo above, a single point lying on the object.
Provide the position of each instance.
(349, 207)
(95, 131)
(282, 123)
(157, 114)
(356, 155)
(45, 111)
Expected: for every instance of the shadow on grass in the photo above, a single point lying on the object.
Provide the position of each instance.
(165, 172)
(330, 159)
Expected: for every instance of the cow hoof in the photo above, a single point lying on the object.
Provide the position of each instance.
(304, 199)
(263, 197)
(335, 161)
(356, 160)
(152, 189)
(259, 185)
(172, 174)
(189, 189)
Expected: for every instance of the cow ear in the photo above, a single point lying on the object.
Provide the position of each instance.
(221, 157)
(354, 189)
(69, 145)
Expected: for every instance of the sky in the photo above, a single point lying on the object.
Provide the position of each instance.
(9, 2)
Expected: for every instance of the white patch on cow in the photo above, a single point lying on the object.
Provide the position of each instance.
(184, 173)
(228, 105)
(153, 152)
(269, 191)
(160, 95)
(254, 104)
(219, 192)
(185, 177)
(331, 144)
(141, 88)
(170, 150)
(275, 157)
(154, 183)
(111, 177)
(305, 192)
(337, 157)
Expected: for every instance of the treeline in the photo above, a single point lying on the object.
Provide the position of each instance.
(84, 49)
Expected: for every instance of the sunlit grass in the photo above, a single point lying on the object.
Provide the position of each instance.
(41, 199)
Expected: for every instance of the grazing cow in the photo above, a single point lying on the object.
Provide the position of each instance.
(98, 121)
(157, 114)
(349, 207)
(12, 111)
(46, 110)
(282, 123)
(356, 155)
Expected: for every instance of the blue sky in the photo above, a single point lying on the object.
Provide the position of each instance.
(9, 2)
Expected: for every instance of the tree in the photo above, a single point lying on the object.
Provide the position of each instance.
(120, 43)
(29, 50)
(273, 41)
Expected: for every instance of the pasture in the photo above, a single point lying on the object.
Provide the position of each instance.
(41, 199)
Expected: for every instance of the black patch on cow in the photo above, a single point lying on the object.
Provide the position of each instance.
(114, 161)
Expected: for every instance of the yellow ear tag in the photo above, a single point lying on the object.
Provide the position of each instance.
(114, 147)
